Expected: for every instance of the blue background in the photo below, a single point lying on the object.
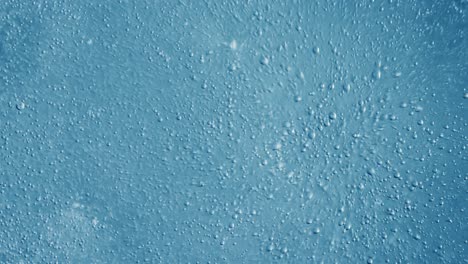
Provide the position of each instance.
(233, 131)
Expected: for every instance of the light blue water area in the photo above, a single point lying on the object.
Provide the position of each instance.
(233, 131)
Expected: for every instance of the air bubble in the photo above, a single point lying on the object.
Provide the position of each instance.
(233, 44)
(347, 87)
(20, 106)
(311, 135)
(277, 146)
(316, 50)
(316, 230)
(377, 74)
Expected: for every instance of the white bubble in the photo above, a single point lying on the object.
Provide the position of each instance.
(270, 247)
(316, 230)
(371, 171)
(301, 75)
(277, 146)
(20, 106)
(377, 74)
(347, 87)
(312, 135)
(316, 50)
(233, 44)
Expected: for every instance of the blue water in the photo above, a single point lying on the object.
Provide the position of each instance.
(233, 131)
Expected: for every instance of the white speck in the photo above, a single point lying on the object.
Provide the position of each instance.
(233, 44)
(301, 75)
(312, 135)
(232, 67)
(77, 205)
(20, 106)
(270, 248)
(378, 74)
(277, 146)
(316, 230)
(347, 87)
(281, 165)
(316, 50)
(265, 61)
(465, 96)
(89, 42)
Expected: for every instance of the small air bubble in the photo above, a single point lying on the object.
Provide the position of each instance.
(377, 74)
(347, 87)
(312, 135)
(277, 146)
(233, 44)
(20, 106)
(270, 248)
(316, 50)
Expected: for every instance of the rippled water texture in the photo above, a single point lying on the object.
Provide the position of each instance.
(233, 131)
